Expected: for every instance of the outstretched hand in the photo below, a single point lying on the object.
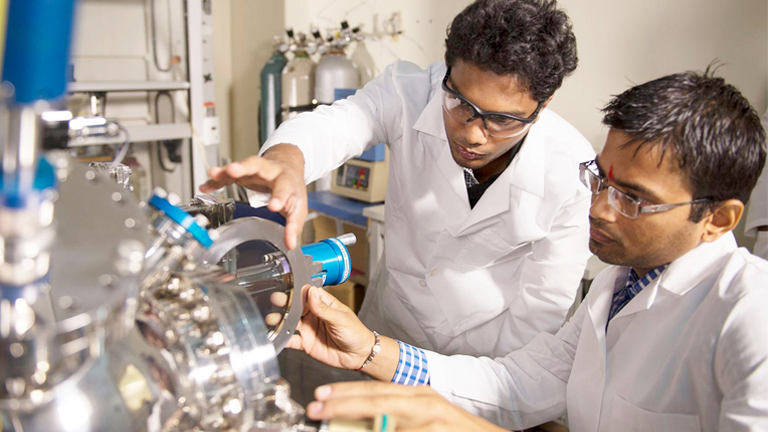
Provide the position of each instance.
(280, 172)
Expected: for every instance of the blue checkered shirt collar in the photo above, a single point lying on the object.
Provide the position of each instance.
(632, 287)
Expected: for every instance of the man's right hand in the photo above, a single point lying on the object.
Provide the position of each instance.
(280, 172)
(331, 333)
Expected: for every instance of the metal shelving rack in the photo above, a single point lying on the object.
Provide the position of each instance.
(200, 131)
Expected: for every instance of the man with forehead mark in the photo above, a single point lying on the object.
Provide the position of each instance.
(672, 337)
(486, 228)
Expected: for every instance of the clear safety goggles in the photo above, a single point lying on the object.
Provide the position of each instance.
(500, 125)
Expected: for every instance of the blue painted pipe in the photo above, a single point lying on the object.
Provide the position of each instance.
(37, 47)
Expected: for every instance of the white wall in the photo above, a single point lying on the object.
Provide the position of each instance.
(222, 30)
(253, 23)
(628, 42)
(621, 43)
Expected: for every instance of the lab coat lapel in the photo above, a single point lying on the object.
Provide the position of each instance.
(495, 201)
(453, 175)
(642, 301)
(599, 306)
(524, 174)
(587, 382)
(432, 135)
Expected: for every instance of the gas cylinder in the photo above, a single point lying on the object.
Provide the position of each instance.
(271, 94)
(298, 80)
(336, 77)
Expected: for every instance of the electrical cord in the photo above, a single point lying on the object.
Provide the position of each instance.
(120, 155)
(154, 38)
(158, 145)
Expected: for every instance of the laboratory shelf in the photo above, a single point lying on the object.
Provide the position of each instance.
(140, 133)
(126, 86)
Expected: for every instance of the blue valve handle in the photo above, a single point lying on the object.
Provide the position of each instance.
(182, 218)
(334, 257)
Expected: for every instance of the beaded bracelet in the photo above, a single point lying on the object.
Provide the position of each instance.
(375, 350)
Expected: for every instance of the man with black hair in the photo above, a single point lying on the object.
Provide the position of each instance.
(672, 337)
(486, 221)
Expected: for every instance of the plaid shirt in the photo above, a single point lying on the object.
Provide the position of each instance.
(412, 369)
(632, 287)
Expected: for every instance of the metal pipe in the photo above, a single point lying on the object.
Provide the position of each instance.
(21, 147)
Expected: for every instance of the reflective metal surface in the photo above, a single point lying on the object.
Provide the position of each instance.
(53, 327)
(109, 318)
(217, 210)
(264, 267)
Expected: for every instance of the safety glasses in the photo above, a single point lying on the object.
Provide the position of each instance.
(628, 206)
(501, 125)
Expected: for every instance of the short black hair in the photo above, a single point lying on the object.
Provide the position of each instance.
(713, 131)
(531, 39)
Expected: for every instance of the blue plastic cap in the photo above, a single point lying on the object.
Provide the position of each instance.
(38, 41)
(182, 218)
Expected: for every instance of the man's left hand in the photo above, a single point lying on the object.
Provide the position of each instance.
(412, 408)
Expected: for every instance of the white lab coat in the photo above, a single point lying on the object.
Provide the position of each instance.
(689, 353)
(480, 281)
(758, 209)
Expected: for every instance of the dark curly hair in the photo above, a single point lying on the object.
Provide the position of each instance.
(531, 39)
(711, 129)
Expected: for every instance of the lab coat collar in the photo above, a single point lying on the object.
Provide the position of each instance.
(526, 171)
(688, 271)
(430, 121)
(642, 302)
(528, 175)
(682, 275)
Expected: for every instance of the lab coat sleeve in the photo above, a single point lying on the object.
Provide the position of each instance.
(331, 135)
(522, 389)
(741, 360)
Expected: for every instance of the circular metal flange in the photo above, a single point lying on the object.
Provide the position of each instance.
(243, 230)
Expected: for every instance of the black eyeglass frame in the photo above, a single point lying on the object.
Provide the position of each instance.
(477, 112)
